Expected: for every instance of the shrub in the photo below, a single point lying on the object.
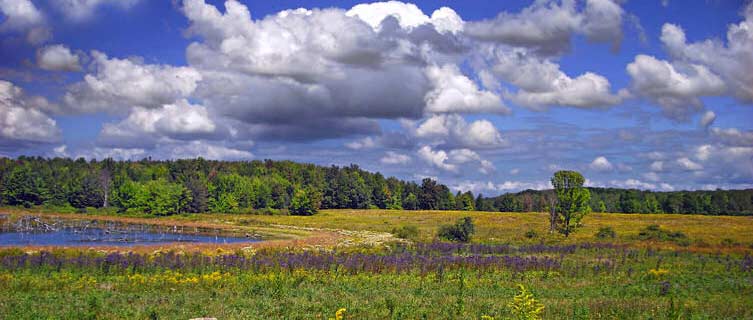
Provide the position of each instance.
(656, 233)
(461, 231)
(406, 232)
(531, 234)
(606, 233)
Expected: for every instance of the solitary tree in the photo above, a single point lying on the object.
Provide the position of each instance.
(572, 200)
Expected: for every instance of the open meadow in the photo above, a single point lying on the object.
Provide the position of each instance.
(313, 266)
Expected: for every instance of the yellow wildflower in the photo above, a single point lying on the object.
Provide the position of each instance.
(658, 273)
(340, 314)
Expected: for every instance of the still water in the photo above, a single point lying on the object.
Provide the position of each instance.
(35, 232)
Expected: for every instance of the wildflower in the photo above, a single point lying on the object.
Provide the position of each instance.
(524, 306)
(340, 314)
(658, 273)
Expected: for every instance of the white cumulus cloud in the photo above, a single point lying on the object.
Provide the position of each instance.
(58, 58)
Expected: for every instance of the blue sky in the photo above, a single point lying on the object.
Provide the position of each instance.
(488, 96)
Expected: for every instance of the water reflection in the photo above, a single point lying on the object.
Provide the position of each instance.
(31, 230)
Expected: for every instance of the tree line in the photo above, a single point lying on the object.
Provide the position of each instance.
(198, 185)
(712, 202)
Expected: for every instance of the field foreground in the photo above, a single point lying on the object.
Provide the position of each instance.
(346, 259)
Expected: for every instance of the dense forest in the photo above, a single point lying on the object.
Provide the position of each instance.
(717, 202)
(199, 185)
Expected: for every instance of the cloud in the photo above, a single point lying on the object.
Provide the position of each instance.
(149, 86)
(601, 164)
(455, 160)
(57, 58)
(724, 164)
(394, 158)
(461, 156)
(302, 69)
(638, 184)
(486, 167)
(602, 22)
(453, 92)
(657, 166)
(705, 68)
(82, 10)
(452, 130)
(493, 189)
(676, 88)
(703, 152)
(732, 136)
(169, 150)
(21, 121)
(23, 16)
(144, 127)
(364, 143)
(104, 153)
(731, 60)
(651, 176)
(437, 159)
(541, 83)
(208, 151)
(464, 156)
(689, 165)
(20, 14)
(707, 119)
(656, 155)
(408, 16)
(548, 26)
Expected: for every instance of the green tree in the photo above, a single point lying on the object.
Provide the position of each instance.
(24, 187)
(466, 202)
(572, 200)
(199, 195)
(602, 206)
(508, 203)
(480, 203)
(410, 202)
(89, 193)
(302, 203)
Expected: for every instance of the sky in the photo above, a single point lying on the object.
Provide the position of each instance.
(486, 96)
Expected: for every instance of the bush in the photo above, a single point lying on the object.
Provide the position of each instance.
(531, 234)
(606, 233)
(406, 232)
(461, 231)
(656, 233)
(302, 204)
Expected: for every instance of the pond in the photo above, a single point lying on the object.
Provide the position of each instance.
(34, 231)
